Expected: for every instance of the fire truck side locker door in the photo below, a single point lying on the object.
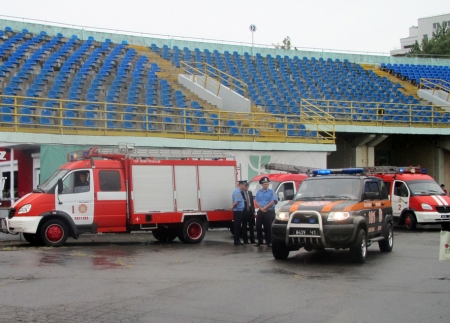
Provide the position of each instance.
(216, 185)
(152, 188)
(186, 188)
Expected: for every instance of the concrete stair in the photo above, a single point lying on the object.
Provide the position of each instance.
(170, 73)
(407, 88)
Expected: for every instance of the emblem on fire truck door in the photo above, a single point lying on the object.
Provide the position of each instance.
(82, 208)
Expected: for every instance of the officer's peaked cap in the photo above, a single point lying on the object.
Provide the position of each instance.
(264, 179)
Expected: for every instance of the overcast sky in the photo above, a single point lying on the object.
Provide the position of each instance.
(354, 25)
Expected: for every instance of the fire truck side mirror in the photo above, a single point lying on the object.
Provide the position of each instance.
(280, 196)
(60, 186)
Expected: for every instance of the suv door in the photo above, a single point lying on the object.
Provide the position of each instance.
(374, 205)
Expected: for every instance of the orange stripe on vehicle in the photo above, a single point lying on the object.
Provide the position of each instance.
(294, 207)
(328, 207)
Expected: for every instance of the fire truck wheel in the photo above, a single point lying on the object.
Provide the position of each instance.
(279, 250)
(193, 231)
(410, 221)
(358, 249)
(54, 233)
(387, 244)
(445, 226)
(33, 239)
(164, 235)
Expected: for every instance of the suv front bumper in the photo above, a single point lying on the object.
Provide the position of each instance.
(316, 235)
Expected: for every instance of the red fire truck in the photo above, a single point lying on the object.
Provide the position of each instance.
(171, 193)
(416, 197)
(284, 185)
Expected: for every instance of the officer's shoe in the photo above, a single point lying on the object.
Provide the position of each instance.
(238, 243)
(246, 242)
(269, 245)
(258, 244)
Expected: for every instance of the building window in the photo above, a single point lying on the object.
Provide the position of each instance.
(435, 25)
(425, 36)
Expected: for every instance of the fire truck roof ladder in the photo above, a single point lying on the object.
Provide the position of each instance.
(393, 169)
(133, 152)
(289, 168)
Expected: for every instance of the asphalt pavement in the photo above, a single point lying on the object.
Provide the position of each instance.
(133, 278)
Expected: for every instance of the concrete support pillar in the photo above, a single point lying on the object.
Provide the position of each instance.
(364, 149)
(438, 165)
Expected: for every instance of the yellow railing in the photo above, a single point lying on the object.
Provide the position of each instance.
(99, 118)
(435, 85)
(384, 114)
(212, 78)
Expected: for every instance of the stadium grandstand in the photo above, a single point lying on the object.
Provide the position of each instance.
(65, 86)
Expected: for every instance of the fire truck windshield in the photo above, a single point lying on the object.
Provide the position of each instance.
(48, 185)
(255, 186)
(339, 188)
(424, 188)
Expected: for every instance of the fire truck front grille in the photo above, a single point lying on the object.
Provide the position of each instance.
(443, 209)
(11, 213)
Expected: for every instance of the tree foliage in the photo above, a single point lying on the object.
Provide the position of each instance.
(286, 44)
(437, 46)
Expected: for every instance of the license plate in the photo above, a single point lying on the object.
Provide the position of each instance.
(445, 216)
(306, 232)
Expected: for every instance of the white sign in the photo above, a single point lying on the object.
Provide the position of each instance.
(252, 28)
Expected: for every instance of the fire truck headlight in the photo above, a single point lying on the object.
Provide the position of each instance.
(338, 216)
(24, 209)
(282, 216)
(426, 206)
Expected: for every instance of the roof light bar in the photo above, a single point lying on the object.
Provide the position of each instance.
(343, 171)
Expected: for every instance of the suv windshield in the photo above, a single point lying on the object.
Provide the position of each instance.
(326, 187)
(425, 188)
(255, 186)
(50, 183)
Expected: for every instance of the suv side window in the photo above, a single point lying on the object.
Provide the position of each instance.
(372, 187)
(383, 190)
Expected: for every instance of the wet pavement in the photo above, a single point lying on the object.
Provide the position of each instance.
(133, 278)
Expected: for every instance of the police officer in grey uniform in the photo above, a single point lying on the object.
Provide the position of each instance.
(265, 201)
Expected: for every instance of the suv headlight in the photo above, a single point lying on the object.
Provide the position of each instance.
(426, 206)
(24, 209)
(338, 216)
(282, 216)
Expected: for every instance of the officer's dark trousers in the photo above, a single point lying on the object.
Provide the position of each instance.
(237, 225)
(248, 218)
(264, 219)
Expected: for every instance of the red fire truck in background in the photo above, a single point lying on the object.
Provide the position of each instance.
(416, 197)
(172, 193)
(284, 185)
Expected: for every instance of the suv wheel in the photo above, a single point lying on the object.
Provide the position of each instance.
(358, 249)
(387, 244)
(279, 250)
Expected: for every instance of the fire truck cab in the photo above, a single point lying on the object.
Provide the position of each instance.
(416, 197)
(171, 193)
(284, 185)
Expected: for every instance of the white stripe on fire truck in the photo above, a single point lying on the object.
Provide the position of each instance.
(442, 199)
(438, 201)
(111, 196)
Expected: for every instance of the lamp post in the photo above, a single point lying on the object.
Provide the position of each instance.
(252, 29)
